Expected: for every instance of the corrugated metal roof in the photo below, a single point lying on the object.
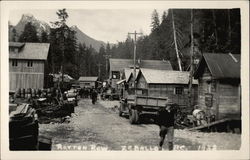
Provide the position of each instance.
(223, 65)
(88, 79)
(166, 77)
(120, 64)
(36, 51)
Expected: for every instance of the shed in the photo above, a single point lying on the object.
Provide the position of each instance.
(165, 83)
(219, 85)
(88, 82)
(117, 67)
(26, 64)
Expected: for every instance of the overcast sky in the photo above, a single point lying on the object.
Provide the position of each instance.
(108, 25)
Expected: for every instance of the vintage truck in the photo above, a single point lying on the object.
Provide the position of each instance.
(136, 106)
(110, 94)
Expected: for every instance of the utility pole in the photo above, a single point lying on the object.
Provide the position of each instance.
(135, 34)
(175, 42)
(63, 46)
(99, 70)
(191, 61)
(106, 56)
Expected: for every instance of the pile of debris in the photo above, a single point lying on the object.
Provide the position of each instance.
(23, 130)
(49, 111)
(50, 104)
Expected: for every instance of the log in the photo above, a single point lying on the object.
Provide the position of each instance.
(211, 124)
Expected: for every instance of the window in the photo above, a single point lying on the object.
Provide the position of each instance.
(115, 75)
(178, 90)
(14, 63)
(30, 64)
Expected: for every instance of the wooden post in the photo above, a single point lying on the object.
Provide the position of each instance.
(175, 42)
(217, 99)
(215, 28)
(99, 70)
(191, 62)
(134, 74)
(107, 56)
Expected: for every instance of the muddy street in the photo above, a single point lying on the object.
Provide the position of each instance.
(98, 127)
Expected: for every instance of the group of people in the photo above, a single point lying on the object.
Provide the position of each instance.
(89, 93)
(85, 92)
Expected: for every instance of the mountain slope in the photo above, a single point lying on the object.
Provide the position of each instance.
(40, 25)
(43, 26)
(83, 38)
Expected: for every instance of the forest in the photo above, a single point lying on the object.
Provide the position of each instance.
(214, 31)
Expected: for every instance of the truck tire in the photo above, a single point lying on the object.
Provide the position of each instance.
(133, 116)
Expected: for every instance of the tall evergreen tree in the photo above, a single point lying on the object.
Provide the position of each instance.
(64, 44)
(14, 36)
(155, 21)
(44, 37)
(29, 34)
(164, 16)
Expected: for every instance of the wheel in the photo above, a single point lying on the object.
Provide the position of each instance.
(133, 116)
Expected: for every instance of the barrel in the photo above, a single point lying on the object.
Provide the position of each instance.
(25, 93)
(22, 92)
(38, 92)
(18, 93)
(45, 92)
(28, 93)
(33, 93)
(49, 92)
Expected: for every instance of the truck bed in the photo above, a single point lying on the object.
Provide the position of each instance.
(147, 101)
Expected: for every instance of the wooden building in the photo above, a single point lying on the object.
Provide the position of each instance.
(26, 64)
(219, 85)
(117, 67)
(88, 82)
(165, 83)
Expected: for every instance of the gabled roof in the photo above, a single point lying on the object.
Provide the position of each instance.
(34, 51)
(92, 79)
(16, 44)
(120, 64)
(129, 72)
(165, 77)
(221, 65)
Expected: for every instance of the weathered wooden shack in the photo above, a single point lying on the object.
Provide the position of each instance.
(219, 85)
(117, 67)
(88, 82)
(26, 64)
(165, 83)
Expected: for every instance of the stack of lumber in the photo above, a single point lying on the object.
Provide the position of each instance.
(23, 128)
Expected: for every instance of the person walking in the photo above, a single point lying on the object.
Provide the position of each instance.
(166, 120)
(94, 96)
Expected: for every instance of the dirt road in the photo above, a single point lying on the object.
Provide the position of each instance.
(98, 127)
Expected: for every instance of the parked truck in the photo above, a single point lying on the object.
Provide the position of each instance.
(136, 106)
